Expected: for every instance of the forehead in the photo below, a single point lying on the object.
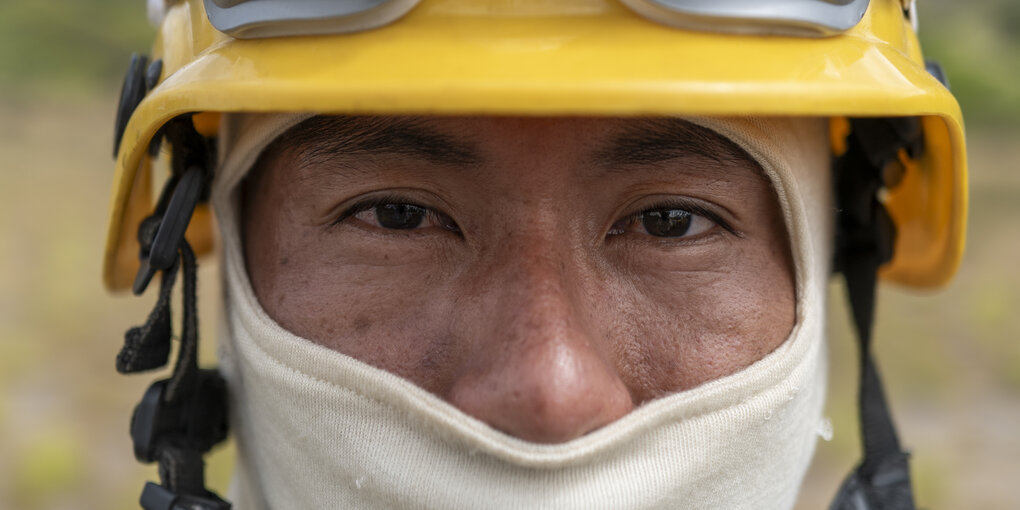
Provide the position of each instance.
(606, 143)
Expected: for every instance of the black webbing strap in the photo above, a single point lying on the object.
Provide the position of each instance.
(865, 241)
(182, 417)
(148, 346)
(186, 369)
(882, 480)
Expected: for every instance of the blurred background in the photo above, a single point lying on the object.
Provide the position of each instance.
(951, 359)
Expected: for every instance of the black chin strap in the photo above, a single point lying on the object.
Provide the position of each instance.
(865, 241)
(182, 417)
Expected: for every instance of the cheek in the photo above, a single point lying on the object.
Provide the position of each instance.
(677, 330)
(380, 306)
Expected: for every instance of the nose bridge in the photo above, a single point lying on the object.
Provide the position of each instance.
(537, 371)
(535, 280)
(536, 285)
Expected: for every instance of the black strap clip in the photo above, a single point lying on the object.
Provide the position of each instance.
(157, 497)
(175, 430)
(888, 488)
(196, 420)
(160, 244)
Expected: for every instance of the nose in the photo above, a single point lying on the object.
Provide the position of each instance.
(538, 369)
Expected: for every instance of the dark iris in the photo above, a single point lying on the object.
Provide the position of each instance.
(666, 222)
(400, 216)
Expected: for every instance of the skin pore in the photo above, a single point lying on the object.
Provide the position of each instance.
(544, 275)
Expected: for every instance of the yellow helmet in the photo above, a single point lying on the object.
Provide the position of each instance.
(839, 59)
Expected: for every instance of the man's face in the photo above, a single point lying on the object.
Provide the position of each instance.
(545, 276)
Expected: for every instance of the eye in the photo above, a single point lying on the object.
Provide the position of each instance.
(396, 214)
(668, 222)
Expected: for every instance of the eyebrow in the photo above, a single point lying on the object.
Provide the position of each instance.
(646, 141)
(654, 141)
(322, 138)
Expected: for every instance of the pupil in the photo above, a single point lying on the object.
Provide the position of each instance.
(667, 222)
(399, 216)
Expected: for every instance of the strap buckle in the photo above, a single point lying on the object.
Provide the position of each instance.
(179, 426)
(196, 420)
(888, 488)
(157, 497)
(160, 252)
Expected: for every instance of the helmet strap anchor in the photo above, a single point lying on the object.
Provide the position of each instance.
(866, 234)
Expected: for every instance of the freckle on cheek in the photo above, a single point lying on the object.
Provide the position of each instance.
(361, 324)
(284, 261)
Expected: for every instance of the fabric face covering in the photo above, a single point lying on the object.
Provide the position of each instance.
(318, 429)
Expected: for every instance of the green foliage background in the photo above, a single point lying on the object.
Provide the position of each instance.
(951, 359)
(70, 48)
(978, 43)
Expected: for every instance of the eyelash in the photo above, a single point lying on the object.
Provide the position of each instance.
(685, 205)
(376, 201)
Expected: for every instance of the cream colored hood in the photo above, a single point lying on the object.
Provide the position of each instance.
(318, 429)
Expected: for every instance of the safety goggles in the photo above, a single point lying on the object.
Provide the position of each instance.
(251, 19)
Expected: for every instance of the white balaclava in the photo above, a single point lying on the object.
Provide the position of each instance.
(318, 429)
